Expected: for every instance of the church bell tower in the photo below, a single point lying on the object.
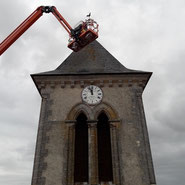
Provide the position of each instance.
(92, 128)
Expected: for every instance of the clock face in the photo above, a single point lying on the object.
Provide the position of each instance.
(92, 95)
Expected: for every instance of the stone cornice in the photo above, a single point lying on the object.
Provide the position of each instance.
(82, 83)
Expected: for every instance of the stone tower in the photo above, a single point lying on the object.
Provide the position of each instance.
(92, 127)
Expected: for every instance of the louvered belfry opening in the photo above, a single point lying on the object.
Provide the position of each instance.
(104, 149)
(81, 149)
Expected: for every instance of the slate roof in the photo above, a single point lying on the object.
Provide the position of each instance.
(93, 59)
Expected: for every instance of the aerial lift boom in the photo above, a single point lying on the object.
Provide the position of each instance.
(79, 37)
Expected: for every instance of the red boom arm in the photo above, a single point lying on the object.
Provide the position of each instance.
(28, 22)
(79, 37)
(20, 30)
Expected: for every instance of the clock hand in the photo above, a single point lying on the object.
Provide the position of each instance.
(91, 90)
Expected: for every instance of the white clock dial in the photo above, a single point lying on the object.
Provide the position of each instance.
(92, 95)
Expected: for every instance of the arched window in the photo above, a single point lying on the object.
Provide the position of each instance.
(81, 149)
(104, 149)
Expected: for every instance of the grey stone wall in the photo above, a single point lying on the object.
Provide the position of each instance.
(61, 103)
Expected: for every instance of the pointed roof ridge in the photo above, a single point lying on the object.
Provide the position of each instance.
(93, 59)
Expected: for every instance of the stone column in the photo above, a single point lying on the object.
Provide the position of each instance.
(144, 131)
(42, 139)
(70, 159)
(93, 152)
(115, 152)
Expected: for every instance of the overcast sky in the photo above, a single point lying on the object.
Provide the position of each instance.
(142, 34)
